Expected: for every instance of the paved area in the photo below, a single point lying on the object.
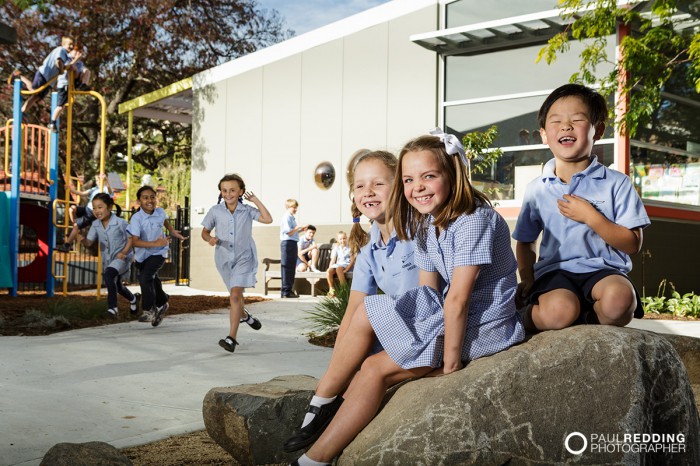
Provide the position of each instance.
(130, 384)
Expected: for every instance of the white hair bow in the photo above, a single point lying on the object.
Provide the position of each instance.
(453, 145)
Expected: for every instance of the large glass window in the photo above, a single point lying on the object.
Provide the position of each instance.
(464, 12)
(518, 136)
(512, 71)
(665, 155)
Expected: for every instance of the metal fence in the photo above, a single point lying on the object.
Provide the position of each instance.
(82, 262)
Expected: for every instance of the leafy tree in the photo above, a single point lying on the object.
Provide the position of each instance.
(663, 45)
(132, 48)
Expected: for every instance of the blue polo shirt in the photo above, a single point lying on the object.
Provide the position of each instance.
(49, 68)
(288, 223)
(570, 245)
(388, 267)
(149, 227)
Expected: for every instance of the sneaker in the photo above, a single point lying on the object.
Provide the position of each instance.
(314, 269)
(147, 315)
(114, 312)
(250, 320)
(135, 304)
(82, 87)
(331, 293)
(229, 344)
(52, 126)
(290, 295)
(65, 247)
(160, 313)
(313, 430)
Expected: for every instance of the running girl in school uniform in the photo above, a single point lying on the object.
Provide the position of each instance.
(235, 255)
(152, 247)
(115, 248)
(383, 262)
(342, 261)
(460, 240)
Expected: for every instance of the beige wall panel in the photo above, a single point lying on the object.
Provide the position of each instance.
(244, 132)
(208, 147)
(412, 80)
(281, 134)
(321, 130)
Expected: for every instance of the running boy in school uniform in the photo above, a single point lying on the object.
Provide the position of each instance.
(591, 220)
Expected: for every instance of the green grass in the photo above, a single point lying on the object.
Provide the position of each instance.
(76, 310)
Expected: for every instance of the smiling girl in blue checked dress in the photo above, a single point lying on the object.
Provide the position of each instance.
(460, 240)
(235, 255)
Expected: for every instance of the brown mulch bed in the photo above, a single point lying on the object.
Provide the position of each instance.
(13, 311)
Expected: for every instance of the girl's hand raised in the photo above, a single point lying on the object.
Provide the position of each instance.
(249, 196)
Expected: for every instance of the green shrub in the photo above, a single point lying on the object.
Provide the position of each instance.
(686, 305)
(328, 313)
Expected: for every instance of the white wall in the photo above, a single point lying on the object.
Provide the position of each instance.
(275, 123)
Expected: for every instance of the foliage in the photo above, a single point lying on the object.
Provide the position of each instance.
(131, 49)
(686, 305)
(477, 147)
(662, 42)
(328, 313)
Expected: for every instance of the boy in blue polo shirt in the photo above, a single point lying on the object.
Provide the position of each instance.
(591, 220)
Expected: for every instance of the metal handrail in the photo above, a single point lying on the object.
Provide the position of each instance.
(36, 91)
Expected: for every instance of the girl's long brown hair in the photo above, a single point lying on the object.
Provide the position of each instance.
(358, 236)
(462, 198)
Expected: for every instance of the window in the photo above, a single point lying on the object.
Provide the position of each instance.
(464, 12)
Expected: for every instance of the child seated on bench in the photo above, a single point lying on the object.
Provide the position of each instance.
(308, 251)
(342, 261)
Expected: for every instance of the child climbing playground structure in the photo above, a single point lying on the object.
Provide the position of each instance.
(29, 195)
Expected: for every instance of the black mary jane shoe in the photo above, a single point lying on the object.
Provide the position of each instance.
(313, 430)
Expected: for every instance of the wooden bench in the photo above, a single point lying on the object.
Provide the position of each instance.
(324, 259)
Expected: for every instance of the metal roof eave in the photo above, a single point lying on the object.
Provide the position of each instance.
(489, 36)
(171, 103)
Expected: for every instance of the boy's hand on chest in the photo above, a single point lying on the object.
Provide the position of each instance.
(577, 209)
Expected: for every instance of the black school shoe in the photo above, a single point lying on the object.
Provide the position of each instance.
(229, 344)
(250, 320)
(134, 307)
(313, 430)
(291, 295)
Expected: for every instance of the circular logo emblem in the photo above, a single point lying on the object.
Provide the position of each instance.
(575, 434)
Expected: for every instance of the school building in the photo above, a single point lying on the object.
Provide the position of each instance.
(289, 117)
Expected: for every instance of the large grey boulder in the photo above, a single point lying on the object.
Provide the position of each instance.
(518, 407)
(688, 348)
(251, 422)
(84, 454)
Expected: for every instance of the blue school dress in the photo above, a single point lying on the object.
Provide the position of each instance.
(411, 326)
(235, 256)
(112, 240)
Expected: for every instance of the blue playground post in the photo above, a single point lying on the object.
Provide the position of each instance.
(53, 194)
(14, 188)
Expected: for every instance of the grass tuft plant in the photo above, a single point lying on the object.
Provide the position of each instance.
(328, 313)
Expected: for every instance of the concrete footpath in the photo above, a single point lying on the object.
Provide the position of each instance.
(129, 384)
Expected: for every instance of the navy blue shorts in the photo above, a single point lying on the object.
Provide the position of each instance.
(85, 217)
(581, 284)
(40, 80)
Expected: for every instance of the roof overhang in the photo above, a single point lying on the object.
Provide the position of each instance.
(491, 36)
(170, 103)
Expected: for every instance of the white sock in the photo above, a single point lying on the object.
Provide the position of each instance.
(316, 401)
(306, 461)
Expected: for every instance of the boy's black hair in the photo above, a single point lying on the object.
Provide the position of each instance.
(311, 227)
(597, 106)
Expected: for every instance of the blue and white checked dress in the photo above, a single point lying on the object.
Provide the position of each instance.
(411, 326)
